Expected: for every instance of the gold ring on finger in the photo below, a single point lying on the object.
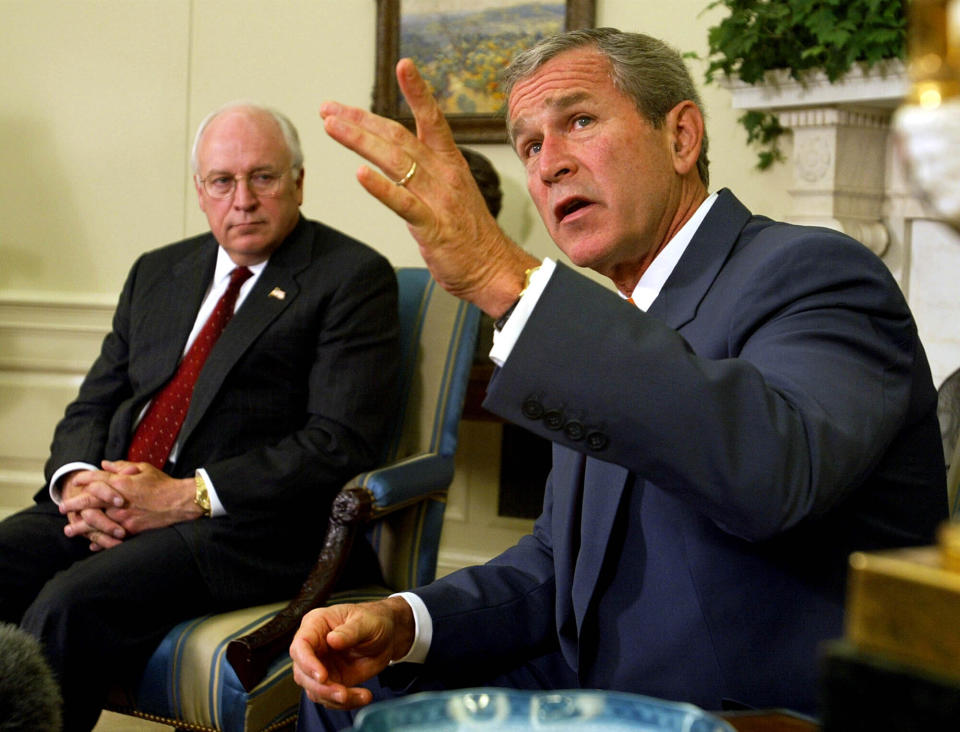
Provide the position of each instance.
(406, 178)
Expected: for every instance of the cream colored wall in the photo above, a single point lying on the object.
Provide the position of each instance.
(98, 101)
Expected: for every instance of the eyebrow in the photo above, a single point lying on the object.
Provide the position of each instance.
(251, 171)
(562, 102)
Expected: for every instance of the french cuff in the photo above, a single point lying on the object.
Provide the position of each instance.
(422, 629)
(56, 494)
(504, 340)
(216, 508)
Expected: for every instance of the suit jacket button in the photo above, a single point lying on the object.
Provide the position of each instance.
(532, 408)
(597, 440)
(553, 419)
(574, 430)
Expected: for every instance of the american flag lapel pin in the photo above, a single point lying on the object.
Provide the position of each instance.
(277, 293)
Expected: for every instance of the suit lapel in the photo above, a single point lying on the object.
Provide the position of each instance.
(258, 310)
(603, 486)
(175, 310)
(677, 303)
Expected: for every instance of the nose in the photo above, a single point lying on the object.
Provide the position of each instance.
(243, 197)
(555, 160)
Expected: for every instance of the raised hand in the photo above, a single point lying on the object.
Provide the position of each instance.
(426, 181)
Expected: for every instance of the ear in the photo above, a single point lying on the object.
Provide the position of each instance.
(685, 127)
(199, 186)
(298, 183)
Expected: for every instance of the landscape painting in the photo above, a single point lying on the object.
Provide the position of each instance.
(461, 47)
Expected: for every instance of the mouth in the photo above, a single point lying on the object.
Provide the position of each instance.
(569, 206)
(246, 224)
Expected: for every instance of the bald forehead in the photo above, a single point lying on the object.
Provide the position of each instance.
(249, 117)
(247, 128)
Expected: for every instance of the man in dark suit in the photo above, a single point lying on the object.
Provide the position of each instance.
(754, 405)
(146, 521)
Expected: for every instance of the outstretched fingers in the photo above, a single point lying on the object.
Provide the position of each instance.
(387, 146)
(433, 130)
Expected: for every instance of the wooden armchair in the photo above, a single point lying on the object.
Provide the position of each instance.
(231, 672)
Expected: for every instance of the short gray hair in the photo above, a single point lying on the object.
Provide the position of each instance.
(289, 132)
(644, 68)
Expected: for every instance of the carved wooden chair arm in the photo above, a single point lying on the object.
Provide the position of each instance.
(252, 654)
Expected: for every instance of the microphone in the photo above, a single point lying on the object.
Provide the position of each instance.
(30, 698)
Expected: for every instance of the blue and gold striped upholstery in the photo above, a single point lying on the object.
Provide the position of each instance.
(188, 681)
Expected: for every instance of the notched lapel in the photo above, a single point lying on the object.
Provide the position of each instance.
(174, 310)
(603, 486)
(685, 288)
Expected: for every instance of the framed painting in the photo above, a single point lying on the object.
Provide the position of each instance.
(460, 47)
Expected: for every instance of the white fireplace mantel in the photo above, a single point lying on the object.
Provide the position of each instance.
(846, 176)
(840, 143)
(883, 86)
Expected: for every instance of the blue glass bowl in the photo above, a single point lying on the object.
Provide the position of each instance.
(504, 710)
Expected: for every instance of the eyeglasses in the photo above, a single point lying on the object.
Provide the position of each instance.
(260, 183)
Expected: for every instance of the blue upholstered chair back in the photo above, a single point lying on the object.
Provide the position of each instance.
(437, 333)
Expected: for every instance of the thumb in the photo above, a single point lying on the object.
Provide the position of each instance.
(359, 629)
(121, 467)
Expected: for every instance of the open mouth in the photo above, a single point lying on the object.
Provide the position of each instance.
(570, 206)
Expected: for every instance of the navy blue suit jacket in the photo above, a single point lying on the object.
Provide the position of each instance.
(715, 461)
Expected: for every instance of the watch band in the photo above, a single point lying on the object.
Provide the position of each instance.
(202, 496)
(502, 320)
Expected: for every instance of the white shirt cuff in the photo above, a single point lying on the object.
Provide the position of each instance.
(56, 495)
(504, 340)
(422, 631)
(216, 507)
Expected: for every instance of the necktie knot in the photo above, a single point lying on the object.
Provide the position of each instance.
(238, 276)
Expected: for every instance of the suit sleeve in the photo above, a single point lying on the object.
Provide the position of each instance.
(509, 605)
(82, 434)
(774, 403)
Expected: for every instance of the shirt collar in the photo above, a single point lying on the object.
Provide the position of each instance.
(225, 266)
(653, 280)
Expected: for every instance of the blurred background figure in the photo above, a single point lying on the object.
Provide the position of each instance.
(487, 179)
(927, 125)
(29, 697)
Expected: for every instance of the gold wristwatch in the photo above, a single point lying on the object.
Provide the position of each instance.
(201, 497)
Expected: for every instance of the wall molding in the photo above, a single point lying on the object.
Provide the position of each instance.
(51, 335)
(47, 343)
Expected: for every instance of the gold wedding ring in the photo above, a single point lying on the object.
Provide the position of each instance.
(406, 179)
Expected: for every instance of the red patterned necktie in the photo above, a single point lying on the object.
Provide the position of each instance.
(158, 430)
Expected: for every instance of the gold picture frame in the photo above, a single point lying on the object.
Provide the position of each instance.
(460, 53)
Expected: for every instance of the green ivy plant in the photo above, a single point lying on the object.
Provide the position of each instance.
(799, 35)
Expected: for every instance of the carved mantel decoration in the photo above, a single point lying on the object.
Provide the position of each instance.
(840, 143)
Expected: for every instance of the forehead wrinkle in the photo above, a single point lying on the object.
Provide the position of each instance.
(564, 101)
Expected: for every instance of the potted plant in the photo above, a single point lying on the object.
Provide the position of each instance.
(759, 36)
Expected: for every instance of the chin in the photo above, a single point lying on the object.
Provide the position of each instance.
(586, 258)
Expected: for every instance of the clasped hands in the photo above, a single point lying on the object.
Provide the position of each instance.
(427, 182)
(122, 499)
